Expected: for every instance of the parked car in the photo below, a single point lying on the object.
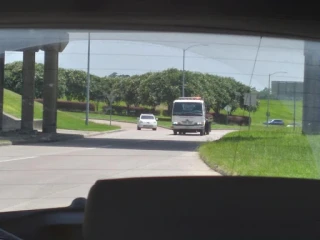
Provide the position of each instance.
(274, 122)
(147, 121)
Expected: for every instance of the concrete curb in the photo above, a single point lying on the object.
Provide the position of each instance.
(165, 127)
(101, 133)
(56, 138)
(5, 143)
(215, 167)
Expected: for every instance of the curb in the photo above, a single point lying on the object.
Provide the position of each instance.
(31, 141)
(5, 143)
(58, 139)
(215, 167)
(101, 133)
(165, 127)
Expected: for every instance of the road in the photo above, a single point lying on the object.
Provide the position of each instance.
(46, 175)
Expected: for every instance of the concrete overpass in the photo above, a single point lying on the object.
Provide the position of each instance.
(29, 42)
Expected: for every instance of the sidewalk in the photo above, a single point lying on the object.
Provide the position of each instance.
(123, 124)
(16, 137)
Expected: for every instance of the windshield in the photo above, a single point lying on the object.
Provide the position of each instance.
(70, 101)
(187, 109)
(147, 117)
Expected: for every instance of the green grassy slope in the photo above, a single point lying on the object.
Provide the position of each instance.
(12, 106)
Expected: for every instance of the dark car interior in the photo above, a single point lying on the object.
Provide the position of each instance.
(179, 208)
(175, 207)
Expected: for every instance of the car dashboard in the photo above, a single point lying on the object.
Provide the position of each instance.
(58, 223)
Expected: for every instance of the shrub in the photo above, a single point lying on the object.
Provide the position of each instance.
(131, 111)
(232, 119)
(72, 106)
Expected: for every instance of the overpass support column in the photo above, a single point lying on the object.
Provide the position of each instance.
(1, 88)
(50, 88)
(311, 89)
(28, 74)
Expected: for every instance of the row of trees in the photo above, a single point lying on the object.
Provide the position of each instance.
(149, 89)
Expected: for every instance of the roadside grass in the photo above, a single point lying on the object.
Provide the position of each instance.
(216, 126)
(277, 152)
(279, 109)
(282, 109)
(12, 106)
(163, 122)
(69, 121)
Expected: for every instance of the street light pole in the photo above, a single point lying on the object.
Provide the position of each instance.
(294, 107)
(183, 65)
(269, 90)
(183, 71)
(88, 82)
(268, 104)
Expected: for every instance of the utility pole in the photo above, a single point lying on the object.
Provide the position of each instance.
(183, 65)
(268, 103)
(88, 83)
(269, 91)
(183, 71)
(294, 107)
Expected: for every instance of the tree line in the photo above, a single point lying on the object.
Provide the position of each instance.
(148, 89)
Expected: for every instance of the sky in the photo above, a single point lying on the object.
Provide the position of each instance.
(247, 59)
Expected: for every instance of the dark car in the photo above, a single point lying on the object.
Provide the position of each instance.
(274, 122)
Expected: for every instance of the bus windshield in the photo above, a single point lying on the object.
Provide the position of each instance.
(187, 109)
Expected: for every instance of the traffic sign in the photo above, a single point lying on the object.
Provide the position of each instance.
(250, 99)
(227, 108)
(110, 97)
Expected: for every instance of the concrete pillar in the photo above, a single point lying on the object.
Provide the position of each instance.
(50, 88)
(311, 89)
(28, 74)
(1, 89)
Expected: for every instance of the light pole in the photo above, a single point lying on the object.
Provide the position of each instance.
(268, 104)
(294, 106)
(183, 63)
(88, 82)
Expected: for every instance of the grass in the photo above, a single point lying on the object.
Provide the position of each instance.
(12, 106)
(278, 152)
(130, 119)
(282, 109)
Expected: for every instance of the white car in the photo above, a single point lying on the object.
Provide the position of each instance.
(147, 121)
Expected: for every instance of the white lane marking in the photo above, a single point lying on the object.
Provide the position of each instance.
(48, 154)
(64, 152)
(16, 159)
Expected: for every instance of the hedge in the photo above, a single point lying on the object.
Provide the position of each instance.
(71, 106)
(232, 119)
(131, 111)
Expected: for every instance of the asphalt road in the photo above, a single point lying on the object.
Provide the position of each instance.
(53, 174)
